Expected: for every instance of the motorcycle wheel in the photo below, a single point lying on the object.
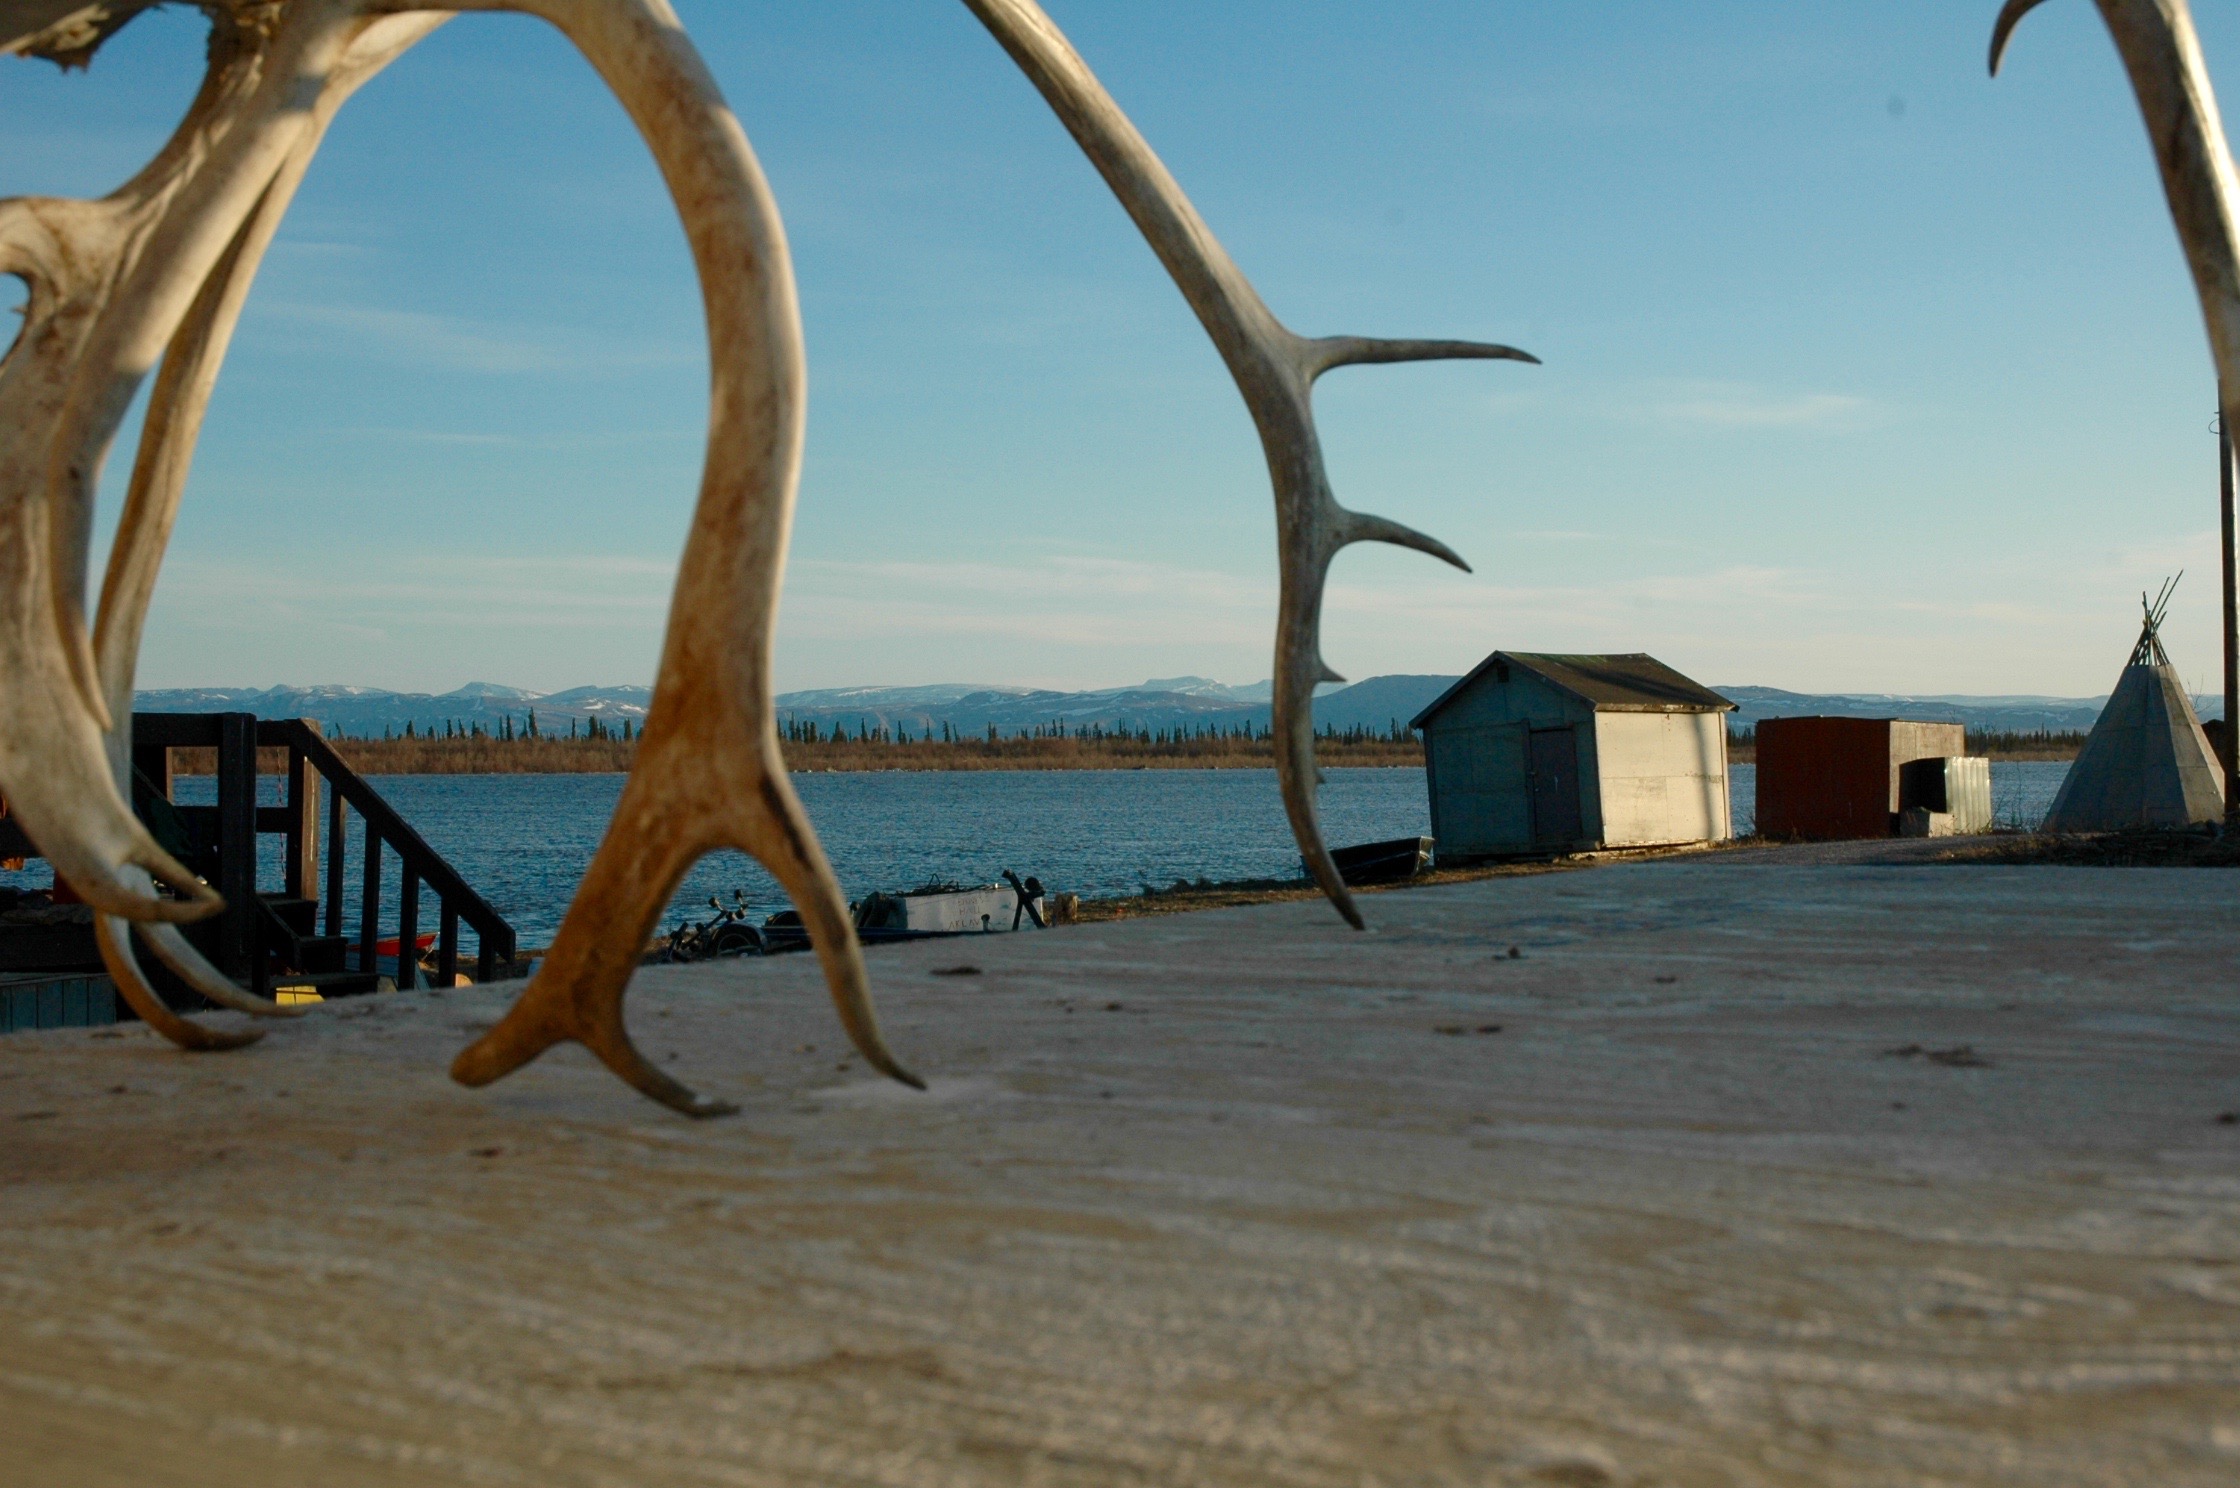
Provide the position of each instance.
(738, 940)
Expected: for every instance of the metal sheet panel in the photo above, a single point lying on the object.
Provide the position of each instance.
(1828, 778)
(1659, 778)
(1483, 795)
(959, 912)
(1951, 785)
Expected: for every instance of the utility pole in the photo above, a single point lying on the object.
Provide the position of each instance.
(2231, 750)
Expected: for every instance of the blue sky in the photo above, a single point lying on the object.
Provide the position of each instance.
(1862, 370)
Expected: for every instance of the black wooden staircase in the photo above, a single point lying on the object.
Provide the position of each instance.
(291, 940)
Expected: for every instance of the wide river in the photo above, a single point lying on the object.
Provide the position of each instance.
(523, 841)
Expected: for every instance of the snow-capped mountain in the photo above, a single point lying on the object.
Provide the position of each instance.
(1378, 704)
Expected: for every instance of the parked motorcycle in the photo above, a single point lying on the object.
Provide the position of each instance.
(727, 933)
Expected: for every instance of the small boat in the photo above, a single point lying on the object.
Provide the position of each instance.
(933, 912)
(1383, 862)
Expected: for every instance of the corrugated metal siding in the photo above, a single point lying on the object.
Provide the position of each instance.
(1953, 784)
(1830, 778)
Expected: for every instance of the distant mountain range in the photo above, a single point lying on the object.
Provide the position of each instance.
(365, 712)
(2018, 715)
(1160, 703)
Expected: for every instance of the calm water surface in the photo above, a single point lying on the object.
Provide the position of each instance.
(523, 841)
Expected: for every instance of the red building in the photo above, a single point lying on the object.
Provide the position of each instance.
(1825, 778)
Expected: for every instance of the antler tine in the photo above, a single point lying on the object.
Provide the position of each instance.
(51, 760)
(709, 773)
(1363, 527)
(2162, 55)
(1274, 369)
(114, 937)
(1360, 351)
(2010, 16)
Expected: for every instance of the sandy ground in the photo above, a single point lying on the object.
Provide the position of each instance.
(1231, 1198)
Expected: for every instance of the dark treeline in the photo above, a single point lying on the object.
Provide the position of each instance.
(505, 731)
(1999, 744)
(502, 751)
(808, 731)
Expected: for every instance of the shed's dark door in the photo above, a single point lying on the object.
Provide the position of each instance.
(1555, 787)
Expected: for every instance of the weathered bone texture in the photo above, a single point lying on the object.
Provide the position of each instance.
(203, 178)
(109, 284)
(2162, 54)
(174, 421)
(171, 259)
(708, 772)
(1274, 369)
(114, 936)
(63, 31)
(167, 261)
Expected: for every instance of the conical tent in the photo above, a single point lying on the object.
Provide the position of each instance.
(2147, 762)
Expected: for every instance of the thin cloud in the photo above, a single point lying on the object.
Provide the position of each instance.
(1738, 407)
(1088, 580)
(1064, 600)
(437, 591)
(426, 339)
(683, 439)
(318, 248)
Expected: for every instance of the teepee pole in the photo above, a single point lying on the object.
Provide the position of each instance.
(2231, 752)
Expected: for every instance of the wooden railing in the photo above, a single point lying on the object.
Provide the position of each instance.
(237, 819)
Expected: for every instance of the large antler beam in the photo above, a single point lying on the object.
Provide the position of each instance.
(1274, 369)
(708, 772)
(169, 433)
(2162, 54)
(168, 260)
(109, 284)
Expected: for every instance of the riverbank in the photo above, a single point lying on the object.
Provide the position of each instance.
(611, 756)
(1188, 896)
(607, 756)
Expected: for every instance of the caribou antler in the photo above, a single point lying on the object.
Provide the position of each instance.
(168, 435)
(110, 282)
(708, 772)
(113, 936)
(2162, 54)
(1274, 369)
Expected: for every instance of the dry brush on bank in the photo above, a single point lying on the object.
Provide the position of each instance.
(548, 756)
(544, 755)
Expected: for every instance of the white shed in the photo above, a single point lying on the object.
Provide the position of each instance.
(1535, 753)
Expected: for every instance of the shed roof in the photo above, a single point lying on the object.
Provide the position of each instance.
(1632, 683)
